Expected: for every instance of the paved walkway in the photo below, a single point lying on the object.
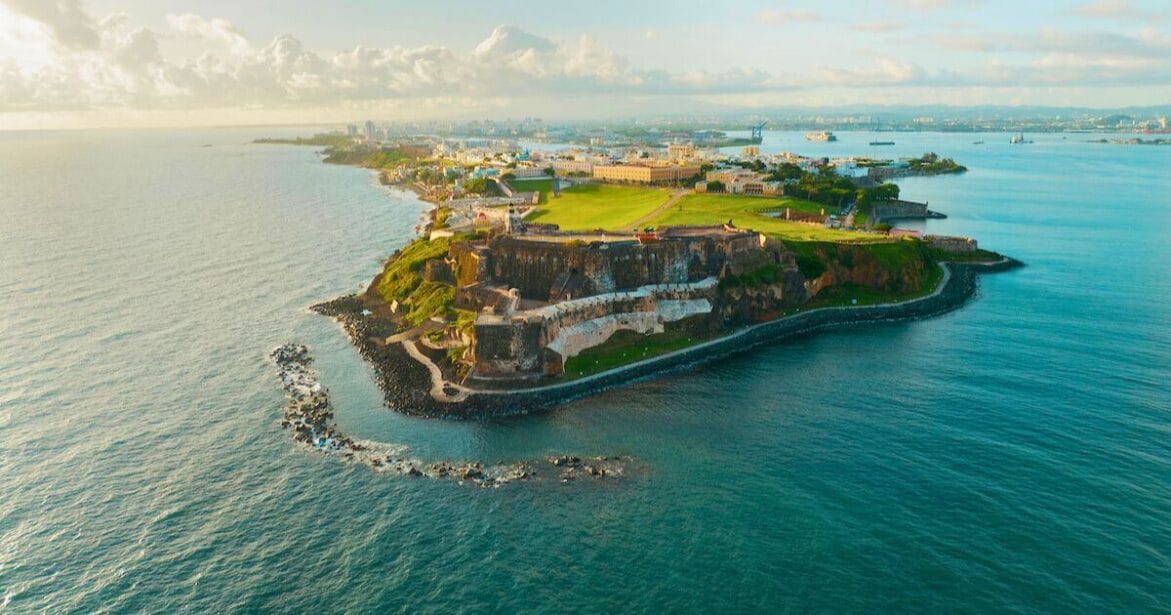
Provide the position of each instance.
(637, 224)
(439, 386)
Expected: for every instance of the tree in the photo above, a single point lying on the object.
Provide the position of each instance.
(477, 185)
(885, 192)
(508, 177)
(786, 171)
(715, 186)
(550, 171)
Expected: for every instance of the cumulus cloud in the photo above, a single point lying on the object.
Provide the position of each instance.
(217, 29)
(82, 63)
(124, 67)
(69, 24)
(508, 40)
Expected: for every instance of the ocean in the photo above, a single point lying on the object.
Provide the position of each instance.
(1014, 455)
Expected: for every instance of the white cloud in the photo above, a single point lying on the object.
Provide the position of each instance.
(782, 17)
(69, 24)
(1121, 10)
(510, 40)
(218, 29)
(62, 59)
(877, 27)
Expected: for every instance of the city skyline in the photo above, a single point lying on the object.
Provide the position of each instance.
(137, 63)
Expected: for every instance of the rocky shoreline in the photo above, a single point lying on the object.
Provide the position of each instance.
(309, 416)
(406, 383)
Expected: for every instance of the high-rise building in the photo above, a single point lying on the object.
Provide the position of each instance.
(352, 131)
(371, 131)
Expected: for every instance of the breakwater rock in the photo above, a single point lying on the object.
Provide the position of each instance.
(309, 416)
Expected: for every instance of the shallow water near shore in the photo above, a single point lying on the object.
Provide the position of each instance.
(1013, 453)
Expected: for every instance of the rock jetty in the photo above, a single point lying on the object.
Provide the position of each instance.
(309, 416)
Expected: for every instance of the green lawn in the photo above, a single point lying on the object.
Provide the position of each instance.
(626, 347)
(542, 185)
(592, 206)
(748, 212)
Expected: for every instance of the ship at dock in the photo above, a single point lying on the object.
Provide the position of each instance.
(823, 135)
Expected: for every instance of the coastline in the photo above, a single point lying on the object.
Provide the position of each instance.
(408, 385)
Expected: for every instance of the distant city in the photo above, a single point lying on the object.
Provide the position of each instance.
(698, 128)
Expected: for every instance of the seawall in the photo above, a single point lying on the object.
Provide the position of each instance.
(405, 382)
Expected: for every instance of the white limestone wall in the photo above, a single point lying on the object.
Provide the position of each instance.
(573, 339)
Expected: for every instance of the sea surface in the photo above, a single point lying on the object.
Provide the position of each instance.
(1014, 455)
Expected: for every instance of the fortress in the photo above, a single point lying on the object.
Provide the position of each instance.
(541, 299)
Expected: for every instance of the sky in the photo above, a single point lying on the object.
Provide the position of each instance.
(90, 63)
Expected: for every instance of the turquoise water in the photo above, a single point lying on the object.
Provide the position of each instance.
(1012, 455)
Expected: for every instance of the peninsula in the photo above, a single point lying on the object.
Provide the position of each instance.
(533, 283)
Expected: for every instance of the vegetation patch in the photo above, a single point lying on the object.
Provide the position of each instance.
(768, 274)
(627, 347)
(931, 164)
(975, 256)
(544, 186)
(749, 212)
(587, 207)
(430, 299)
(326, 139)
(404, 273)
(853, 294)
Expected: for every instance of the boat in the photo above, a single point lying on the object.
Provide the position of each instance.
(824, 135)
(977, 143)
(1019, 139)
(882, 142)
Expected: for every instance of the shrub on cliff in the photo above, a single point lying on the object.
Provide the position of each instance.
(430, 299)
(404, 273)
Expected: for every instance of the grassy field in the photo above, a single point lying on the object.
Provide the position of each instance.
(626, 347)
(748, 212)
(544, 185)
(592, 206)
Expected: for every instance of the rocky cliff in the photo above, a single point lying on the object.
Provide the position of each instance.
(895, 268)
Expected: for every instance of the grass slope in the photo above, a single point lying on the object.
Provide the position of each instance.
(626, 347)
(542, 185)
(748, 212)
(592, 206)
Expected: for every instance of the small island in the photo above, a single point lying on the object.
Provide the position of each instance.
(533, 283)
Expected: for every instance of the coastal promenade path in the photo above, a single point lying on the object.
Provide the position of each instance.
(634, 226)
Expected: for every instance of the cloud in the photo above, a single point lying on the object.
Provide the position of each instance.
(125, 68)
(884, 71)
(930, 5)
(877, 27)
(1121, 10)
(779, 17)
(69, 24)
(196, 26)
(510, 40)
(120, 66)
